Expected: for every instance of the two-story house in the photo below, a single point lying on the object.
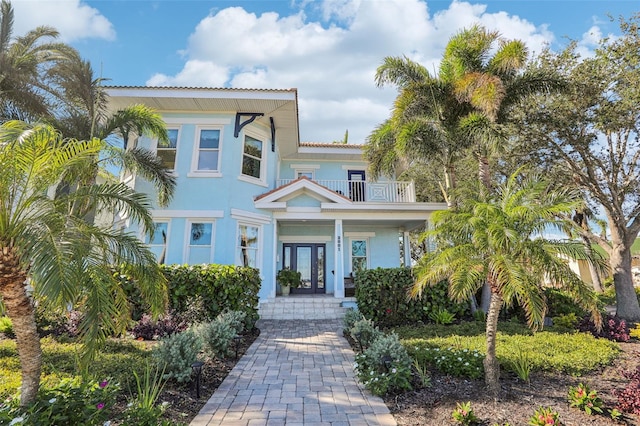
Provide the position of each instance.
(250, 193)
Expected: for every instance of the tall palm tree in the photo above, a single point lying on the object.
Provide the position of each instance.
(23, 90)
(66, 259)
(498, 239)
(426, 123)
(83, 113)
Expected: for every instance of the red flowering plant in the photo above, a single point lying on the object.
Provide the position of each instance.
(585, 399)
(464, 415)
(545, 417)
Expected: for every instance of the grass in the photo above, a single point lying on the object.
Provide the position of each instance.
(117, 361)
(548, 350)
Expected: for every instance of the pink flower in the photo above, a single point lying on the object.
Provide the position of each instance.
(103, 384)
(100, 406)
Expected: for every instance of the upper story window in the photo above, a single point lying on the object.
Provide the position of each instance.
(308, 173)
(252, 156)
(168, 152)
(207, 150)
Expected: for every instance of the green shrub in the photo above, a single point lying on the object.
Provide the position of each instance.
(365, 332)
(216, 337)
(572, 353)
(452, 361)
(143, 409)
(385, 366)
(585, 399)
(567, 321)
(72, 401)
(205, 291)
(6, 326)
(176, 353)
(442, 316)
(544, 416)
(235, 319)
(464, 415)
(382, 296)
(559, 303)
(635, 332)
(350, 318)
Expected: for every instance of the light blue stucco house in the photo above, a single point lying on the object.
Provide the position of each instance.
(251, 193)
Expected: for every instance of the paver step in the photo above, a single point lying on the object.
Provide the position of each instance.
(304, 307)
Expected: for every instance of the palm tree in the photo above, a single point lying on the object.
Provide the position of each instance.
(23, 92)
(83, 114)
(498, 239)
(64, 258)
(426, 123)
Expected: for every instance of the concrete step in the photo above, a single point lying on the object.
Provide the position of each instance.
(304, 307)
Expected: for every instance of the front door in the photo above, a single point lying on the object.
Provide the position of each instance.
(308, 259)
(356, 185)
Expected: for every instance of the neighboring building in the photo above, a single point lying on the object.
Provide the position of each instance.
(250, 193)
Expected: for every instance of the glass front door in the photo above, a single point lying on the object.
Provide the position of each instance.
(309, 260)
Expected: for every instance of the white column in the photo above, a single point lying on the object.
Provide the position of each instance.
(276, 254)
(407, 249)
(338, 287)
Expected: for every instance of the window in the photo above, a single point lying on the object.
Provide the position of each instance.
(252, 157)
(208, 150)
(158, 243)
(305, 173)
(248, 245)
(168, 152)
(200, 243)
(358, 255)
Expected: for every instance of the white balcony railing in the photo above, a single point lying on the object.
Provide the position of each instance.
(372, 192)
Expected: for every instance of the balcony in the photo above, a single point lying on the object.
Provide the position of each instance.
(369, 192)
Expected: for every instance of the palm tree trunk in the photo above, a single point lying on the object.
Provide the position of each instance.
(595, 276)
(484, 175)
(491, 364)
(20, 310)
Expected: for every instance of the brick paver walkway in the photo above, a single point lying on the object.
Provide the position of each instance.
(296, 373)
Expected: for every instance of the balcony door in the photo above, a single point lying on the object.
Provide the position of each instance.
(309, 260)
(357, 184)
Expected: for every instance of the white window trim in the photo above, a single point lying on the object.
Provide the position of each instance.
(196, 153)
(368, 242)
(304, 166)
(260, 248)
(156, 146)
(143, 234)
(304, 170)
(250, 217)
(262, 180)
(187, 237)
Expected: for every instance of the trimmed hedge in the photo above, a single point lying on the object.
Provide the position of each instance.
(382, 296)
(213, 288)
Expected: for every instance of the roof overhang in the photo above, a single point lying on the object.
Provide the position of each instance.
(279, 105)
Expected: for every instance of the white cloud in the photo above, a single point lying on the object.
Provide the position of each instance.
(73, 19)
(332, 62)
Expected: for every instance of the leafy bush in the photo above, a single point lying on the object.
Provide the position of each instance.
(629, 397)
(6, 327)
(149, 329)
(382, 296)
(350, 318)
(235, 319)
(635, 332)
(522, 365)
(567, 321)
(613, 328)
(365, 332)
(204, 291)
(585, 399)
(573, 353)
(441, 316)
(545, 417)
(452, 361)
(385, 366)
(216, 336)
(143, 409)
(464, 415)
(176, 353)
(559, 303)
(72, 401)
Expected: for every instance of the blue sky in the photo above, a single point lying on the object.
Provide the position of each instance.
(327, 49)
